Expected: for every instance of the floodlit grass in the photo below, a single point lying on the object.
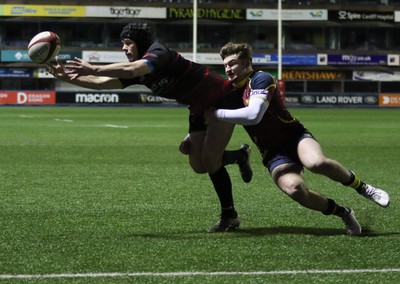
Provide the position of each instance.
(105, 190)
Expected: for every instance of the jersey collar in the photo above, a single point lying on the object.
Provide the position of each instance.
(242, 82)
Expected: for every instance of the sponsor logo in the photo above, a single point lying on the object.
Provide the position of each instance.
(292, 100)
(18, 56)
(3, 95)
(257, 13)
(371, 100)
(308, 99)
(33, 98)
(364, 16)
(313, 75)
(389, 100)
(145, 98)
(206, 13)
(259, 92)
(317, 14)
(96, 98)
(123, 12)
(20, 10)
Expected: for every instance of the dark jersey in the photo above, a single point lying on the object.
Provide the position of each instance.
(175, 77)
(277, 126)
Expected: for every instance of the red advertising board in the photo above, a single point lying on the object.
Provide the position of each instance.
(27, 97)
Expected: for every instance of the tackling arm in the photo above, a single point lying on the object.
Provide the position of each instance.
(250, 115)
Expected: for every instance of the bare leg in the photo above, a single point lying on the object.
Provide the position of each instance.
(289, 179)
(313, 158)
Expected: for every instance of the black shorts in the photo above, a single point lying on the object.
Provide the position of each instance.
(196, 122)
(286, 153)
(231, 101)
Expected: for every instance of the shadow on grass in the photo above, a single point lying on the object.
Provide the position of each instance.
(261, 232)
(292, 230)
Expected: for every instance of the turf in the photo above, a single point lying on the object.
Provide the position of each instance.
(88, 192)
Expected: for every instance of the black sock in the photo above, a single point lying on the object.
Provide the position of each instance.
(334, 209)
(356, 183)
(233, 157)
(223, 187)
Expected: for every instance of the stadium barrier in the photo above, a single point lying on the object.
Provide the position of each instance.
(117, 98)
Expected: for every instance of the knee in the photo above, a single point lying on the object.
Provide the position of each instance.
(198, 169)
(319, 166)
(206, 162)
(197, 165)
(299, 194)
(295, 190)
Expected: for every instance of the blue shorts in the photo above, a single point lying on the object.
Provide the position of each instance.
(286, 153)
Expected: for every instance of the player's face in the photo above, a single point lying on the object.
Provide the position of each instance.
(130, 49)
(235, 68)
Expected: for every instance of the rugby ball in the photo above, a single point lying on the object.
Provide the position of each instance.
(43, 47)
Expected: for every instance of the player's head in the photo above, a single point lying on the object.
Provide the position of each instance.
(141, 35)
(237, 59)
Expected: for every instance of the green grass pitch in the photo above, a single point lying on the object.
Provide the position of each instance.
(102, 195)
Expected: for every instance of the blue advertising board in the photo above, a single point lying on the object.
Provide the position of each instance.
(16, 72)
(352, 59)
(287, 59)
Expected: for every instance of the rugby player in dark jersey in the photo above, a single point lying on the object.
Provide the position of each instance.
(167, 74)
(285, 144)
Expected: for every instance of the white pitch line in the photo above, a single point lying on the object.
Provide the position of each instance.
(63, 120)
(196, 273)
(115, 126)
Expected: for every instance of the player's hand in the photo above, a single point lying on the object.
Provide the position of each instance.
(57, 69)
(184, 147)
(78, 67)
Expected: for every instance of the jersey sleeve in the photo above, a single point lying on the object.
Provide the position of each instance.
(158, 57)
(262, 86)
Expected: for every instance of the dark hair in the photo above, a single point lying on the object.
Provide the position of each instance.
(244, 50)
(140, 33)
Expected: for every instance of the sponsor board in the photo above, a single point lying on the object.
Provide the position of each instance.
(287, 59)
(313, 75)
(126, 12)
(104, 56)
(16, 72)
(389, 100)
(27, 97)
(23, 10)
(287, 15)
(332, 100)
(22, 55)
(111, 98)
(360, 16)
(207, 13)
(376, 76)
(352, 59)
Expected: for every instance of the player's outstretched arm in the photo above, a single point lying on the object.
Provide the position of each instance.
(91, 82)
(122, 70)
